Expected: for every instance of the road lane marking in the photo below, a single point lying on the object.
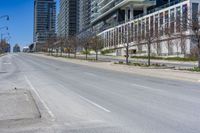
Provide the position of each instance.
(89, 101)
(90, 74)
(141, 86)
(42, 101)
(95, 104)
(7, 63)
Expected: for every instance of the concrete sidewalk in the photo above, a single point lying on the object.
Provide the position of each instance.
(170, 63)
(17, 105)
(159, 73)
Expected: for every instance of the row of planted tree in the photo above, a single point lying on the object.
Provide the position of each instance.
(71, 45)
(4, 46)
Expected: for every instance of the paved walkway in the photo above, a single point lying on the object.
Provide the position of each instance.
(160, 73)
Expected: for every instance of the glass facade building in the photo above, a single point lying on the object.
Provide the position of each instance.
(44, 20)
(167, 27)
(68, 22)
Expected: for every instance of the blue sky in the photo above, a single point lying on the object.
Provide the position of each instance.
(21, 20)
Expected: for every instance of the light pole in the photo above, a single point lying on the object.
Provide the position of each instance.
(5, 16)
(5, 27)
(4, 34)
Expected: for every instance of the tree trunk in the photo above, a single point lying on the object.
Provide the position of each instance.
(199, 58)
(96, 55)
(75, 53)
(149, 54)
(127, 55)
(68, 54)
(86, 53)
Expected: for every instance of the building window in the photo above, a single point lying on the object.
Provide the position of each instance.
(172, 19)
(139, 30)
(166, 22)
(132, 32)
(136, 31)
(147, 27)
(185, 16)
(120, 35)
(178, 19)
(161, 24)
(143, 29)
(156, 25)
(195, 11)
(151, 26)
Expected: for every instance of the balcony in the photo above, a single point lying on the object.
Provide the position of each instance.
(120, 4)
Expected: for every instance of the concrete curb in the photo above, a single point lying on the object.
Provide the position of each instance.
(158, 73)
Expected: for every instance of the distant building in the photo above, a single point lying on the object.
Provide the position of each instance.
(16, 49)
(44, 20)
(26, 49)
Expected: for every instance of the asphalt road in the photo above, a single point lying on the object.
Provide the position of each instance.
(84, 99)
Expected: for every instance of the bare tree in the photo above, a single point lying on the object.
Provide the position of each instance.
(96, 44)
(50, 44)
(3, 46)
(151, 37)
(73, 44)
(84, 42)
(125, 38)
(194, 26)
(60, 45)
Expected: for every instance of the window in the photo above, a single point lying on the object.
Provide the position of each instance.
(156, 25)
(136, 31)
(143, 29)
(161, 24)
(178, 19)
(166, 23)
(172, 19)
(151, 25)
(185, 16)
(195, 11)
(139, 30)
(147, 27)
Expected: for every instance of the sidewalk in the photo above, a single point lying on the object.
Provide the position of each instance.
(159, 73)
(170, 63)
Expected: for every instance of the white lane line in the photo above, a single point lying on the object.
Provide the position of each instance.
(89, 101)
(7, 63)
(141, 86)
(42, 101)
(95, 104)
(90, 74)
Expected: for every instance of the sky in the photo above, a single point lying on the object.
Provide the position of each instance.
(21, 20)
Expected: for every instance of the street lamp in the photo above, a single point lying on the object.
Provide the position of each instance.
(4, 34)
(5, 27)
(5, 16)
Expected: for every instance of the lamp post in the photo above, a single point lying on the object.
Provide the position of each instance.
(2, 34)
(5, 16)
(5, 27)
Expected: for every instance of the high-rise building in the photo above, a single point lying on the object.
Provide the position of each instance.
(68, 22)
(84, 14)
(167, 24)
(107, 13)
(44, 20)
